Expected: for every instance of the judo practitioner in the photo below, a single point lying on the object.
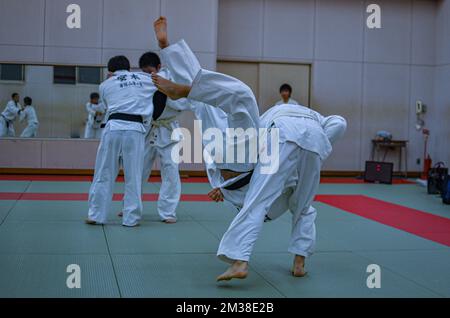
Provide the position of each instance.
(7, 117)
(29, 114)
(303, 146)
(128, 97)
(204, 90)
(159, 144)
(292, 145)
(96, 115)
(334, 128)
(286, 93)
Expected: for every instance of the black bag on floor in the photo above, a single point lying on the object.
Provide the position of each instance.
(436, 177)
(446, 190)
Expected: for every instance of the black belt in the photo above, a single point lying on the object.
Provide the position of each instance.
(159, 103)
(240, 183)
(7, 121)
(126, 117)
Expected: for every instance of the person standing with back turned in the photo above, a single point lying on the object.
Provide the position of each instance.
(128, 97)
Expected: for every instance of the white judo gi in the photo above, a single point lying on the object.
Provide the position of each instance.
(127, 93)
(218, 100)
(290, 102)
(334, 127)
(303, 146)
(29, 114)
(159, 143)
(96, 116)
(7, 117)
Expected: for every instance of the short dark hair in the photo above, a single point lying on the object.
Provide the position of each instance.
(14, 95)
(118, 63)
(149, 59)
(286, 87)
(95, 95)
(27, 101)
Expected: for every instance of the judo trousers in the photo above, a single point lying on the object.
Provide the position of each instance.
(92, 133)
(6, 130)
(129, 145)
(30, 131)
(267, 190)
(170, 192)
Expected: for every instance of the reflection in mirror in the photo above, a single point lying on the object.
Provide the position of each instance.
(61, 101)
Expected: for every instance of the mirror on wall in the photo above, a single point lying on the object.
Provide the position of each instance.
(55, 101)
(62, 101)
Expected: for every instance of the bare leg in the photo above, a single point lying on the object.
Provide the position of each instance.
(238, 270)
(160, 26)
(172, 90)
(298, 270)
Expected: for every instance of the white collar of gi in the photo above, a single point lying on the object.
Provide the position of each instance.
(121, 72)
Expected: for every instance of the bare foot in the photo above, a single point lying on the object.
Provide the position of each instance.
(91, 222)
(298, 270)
(238, 270)
(172, 90)
(120, 214)
(160, 26)
(170, 221)
(136, 225)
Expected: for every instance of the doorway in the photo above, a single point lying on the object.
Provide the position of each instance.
(265, 80)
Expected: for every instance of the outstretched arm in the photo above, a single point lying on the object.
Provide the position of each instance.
(22, 116)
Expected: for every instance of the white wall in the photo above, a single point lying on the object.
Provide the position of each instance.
(39, 153)
(35, 32)
(108, 28)
(440, 130)
(60, 108)
(371, 77)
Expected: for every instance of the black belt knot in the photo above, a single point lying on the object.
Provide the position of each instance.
(240, 183)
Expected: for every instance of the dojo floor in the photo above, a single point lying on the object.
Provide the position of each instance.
(398, 227)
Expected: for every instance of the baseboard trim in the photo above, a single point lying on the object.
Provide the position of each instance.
(183, 173)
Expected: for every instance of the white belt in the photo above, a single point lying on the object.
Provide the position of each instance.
(297, 115)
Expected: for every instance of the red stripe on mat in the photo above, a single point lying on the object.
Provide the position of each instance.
(150, 197)
(10, 196)
(425, 225)
(359, 181)
(429, 226)
(158, 179)
(7, 177)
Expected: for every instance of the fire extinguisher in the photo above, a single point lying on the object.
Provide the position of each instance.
(427, 162)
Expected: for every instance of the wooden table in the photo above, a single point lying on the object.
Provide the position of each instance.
(378, 145)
